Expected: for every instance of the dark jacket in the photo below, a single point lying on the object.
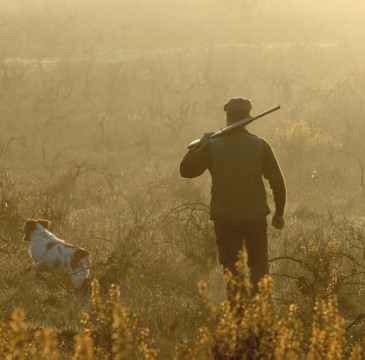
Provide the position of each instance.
(237, 162)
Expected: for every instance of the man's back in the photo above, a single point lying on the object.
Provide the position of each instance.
(238, 192)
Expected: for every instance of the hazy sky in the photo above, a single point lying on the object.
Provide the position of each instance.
(43, 26)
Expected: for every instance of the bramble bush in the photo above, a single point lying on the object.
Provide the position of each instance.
(241, 328)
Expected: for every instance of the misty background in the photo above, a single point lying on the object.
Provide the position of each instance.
(139, 80)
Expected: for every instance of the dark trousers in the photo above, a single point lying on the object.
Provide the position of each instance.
(230, 236)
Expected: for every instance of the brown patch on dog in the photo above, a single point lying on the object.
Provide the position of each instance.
(45, 223)
(77, 256)
(29, 226)
(50, 245)
(56, 263)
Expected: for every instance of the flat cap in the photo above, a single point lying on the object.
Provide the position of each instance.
(238, 104)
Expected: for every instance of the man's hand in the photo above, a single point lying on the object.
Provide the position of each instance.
(278, 222)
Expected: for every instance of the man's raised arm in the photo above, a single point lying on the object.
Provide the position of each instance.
(197, 160)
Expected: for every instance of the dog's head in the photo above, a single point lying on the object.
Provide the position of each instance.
(31, 224)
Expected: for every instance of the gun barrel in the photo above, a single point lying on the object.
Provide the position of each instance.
(236, 125)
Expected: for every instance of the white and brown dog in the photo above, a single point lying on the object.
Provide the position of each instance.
(55, 255)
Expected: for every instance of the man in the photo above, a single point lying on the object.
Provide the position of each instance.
(237, 162)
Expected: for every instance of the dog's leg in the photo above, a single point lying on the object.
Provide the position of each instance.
(38, 267)
(80, 273)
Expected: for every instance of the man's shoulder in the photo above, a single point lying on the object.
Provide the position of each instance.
(243, 141)
(244, 134)
(257, 139)
(260, 143)
(261, 140)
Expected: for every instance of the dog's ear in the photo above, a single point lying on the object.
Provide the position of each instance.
(30, 224)
(44, 223)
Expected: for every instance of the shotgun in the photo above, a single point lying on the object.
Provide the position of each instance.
(229, 128)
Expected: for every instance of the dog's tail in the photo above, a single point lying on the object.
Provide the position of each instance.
(80, 264)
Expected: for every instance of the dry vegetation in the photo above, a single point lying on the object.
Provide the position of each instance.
(98, 100)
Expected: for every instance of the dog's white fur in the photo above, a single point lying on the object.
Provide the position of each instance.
(55, 255)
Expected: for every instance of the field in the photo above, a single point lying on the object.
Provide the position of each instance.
(98, 102)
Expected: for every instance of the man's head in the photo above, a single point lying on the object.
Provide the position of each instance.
(237, 109)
